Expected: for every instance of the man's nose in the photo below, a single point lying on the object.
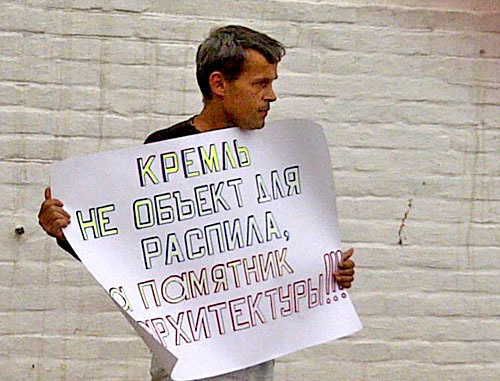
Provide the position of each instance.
(270, 94)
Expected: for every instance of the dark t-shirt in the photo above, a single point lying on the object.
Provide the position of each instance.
(176, 131)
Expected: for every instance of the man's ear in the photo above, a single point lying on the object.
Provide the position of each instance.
(217, 83)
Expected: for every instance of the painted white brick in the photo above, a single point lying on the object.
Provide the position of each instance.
(128, 101)
(402, 112)
(130, 6)
(23, 173)
(435, 138)
(79, 73)
(427, 280)
(174, 78)
(75, 346)
(43, 4)
(448, 305)
(20, 198)
(354, 88)
(175, 55)
(176, 102)
(15, 18)
(491, 116)
(126, 51)
(408, 96)
(82, 99)
(173, 28)
(43, 46)
(427, 19)
(422, 209)
(488, 95)
(33, 69)
(314, 370)
(397, 161)
(87, 4)
(433, 329)
(127, 76)
(414, 370)
(377, 40)
(10, 69)
(64, 123)
(45, 97)
(10, 94)
(36, 367)
(90, 24)
(11, 43)
(268, 10)
(68, 323)
(22, 147)
(304, 60)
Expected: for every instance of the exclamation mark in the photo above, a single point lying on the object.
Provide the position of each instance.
(338, 259)
(331, 266)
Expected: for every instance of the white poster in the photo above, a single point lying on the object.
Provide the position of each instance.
(219, 247)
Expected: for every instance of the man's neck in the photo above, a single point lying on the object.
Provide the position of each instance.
(211, 118)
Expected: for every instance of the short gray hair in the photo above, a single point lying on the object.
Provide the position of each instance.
(224, 50)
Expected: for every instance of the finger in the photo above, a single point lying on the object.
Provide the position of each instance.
(50, 208)
(48, 215)
(59, 235)
(47, 204)
(349, 264)
(55, 228)
(48, 193)
(52, 202)
(343, 279)
(49, 218)
(57, 209)
(347, 254)
(60, 223)
(345, 272)
(345, 285)
(54, 224)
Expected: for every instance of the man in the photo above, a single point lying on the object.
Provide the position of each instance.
(235, 68)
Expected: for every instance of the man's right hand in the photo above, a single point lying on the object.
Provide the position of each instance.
(52, 217)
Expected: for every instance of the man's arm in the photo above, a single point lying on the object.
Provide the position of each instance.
(52, 218)
(345, 275)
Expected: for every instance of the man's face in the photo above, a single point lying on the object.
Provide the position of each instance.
(247, 99)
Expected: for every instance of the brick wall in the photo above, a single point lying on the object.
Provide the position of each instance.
(409, 97)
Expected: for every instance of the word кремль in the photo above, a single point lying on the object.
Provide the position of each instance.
(192, 162)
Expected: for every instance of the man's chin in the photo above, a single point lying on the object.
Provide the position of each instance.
(254, 126)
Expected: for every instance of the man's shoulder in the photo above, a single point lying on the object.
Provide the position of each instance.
(184, 128)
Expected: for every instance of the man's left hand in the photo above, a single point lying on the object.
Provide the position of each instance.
(345, 274)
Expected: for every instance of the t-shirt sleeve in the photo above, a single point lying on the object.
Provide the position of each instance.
(178, 130)
(152, 138)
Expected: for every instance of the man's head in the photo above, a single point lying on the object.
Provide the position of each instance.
(236, 66)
